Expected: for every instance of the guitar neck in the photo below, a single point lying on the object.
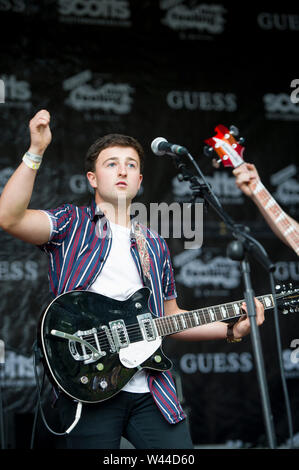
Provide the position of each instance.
(171, 324)
(286, 227)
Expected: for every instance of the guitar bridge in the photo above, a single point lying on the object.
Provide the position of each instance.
(119, 334)
(88, 353)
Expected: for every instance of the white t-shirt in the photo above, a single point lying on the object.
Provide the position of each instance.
(120, 284)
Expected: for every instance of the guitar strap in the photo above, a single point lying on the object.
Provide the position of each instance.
(143, 254)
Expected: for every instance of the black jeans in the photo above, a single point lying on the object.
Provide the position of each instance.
(134, 416)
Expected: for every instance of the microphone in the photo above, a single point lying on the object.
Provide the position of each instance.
(160, 146)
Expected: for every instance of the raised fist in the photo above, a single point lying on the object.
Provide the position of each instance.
(40, 132)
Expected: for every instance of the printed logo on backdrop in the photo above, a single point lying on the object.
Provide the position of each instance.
(19, 6)
(18, 371)
(201, 100)
(216, 363)
(291, 360)
(208, 274)
(286, 271)
(234, 362)
(18, 270)
(287, 187)
(280, 106)
(222, 183)
(17, 92)
(97, 12)
(97, 97)
(278, 21)
(193, 20)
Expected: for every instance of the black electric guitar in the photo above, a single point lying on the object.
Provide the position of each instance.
(93, 345)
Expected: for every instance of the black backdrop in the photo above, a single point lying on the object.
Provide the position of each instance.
(175, 68)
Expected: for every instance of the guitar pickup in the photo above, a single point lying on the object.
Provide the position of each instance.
(109, 338)
(119, 334)
(147, 327)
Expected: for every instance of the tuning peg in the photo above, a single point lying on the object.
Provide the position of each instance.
(216, 163)
(208, 151)
(234, 130)
(241, 140)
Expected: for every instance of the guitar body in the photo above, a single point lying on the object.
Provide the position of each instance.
(88, 316)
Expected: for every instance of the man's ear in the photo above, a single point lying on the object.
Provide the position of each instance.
(92, 179)
(140, 180)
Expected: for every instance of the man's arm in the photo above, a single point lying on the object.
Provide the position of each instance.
(215, 330)
(247, 174)
(31, 226)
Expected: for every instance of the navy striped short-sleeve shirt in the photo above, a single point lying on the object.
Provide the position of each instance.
(79, 245)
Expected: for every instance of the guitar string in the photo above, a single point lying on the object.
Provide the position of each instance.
(134, 331)
(169, 326)
(204, 314)
(166, 324)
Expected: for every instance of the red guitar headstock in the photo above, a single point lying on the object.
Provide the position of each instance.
(226, 146)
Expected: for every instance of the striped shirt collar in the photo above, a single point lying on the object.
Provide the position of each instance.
(96, 213)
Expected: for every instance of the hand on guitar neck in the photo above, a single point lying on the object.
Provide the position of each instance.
(246, 178)
(286, 228)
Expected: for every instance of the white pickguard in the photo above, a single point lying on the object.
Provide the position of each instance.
(136, 353)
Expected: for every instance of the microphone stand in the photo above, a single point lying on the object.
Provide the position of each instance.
(238, 250)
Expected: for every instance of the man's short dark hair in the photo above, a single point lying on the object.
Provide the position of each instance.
(112, 140)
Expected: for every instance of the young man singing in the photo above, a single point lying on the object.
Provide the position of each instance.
(97, 248)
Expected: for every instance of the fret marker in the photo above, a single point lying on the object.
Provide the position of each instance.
(270, 203)
(280, 217)
(258, 188)
(212, 315)
(224, 313)
(196, 318)
(289, 230)
(237, 308)
(183, 322)
(175, 323)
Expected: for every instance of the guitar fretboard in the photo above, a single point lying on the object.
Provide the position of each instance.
(171, 324)
(279, 217)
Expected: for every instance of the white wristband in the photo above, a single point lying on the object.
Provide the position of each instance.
(32, 161)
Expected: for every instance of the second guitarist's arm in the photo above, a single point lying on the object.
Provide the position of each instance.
(246, 178)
